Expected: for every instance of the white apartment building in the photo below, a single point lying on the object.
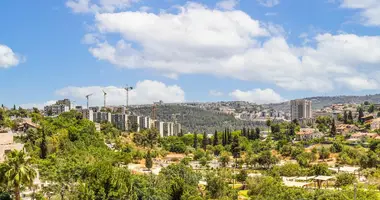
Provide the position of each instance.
(88, 114)
(177, 129)
(120, 121)
(144, 123)
(160, 127)
(168, 129)
(133, 120)
(54, 110)
(300, 109)
(100, 117)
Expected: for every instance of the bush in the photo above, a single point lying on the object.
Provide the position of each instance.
(242, 176)
(344, 179)
(198, 154)
(177, 147)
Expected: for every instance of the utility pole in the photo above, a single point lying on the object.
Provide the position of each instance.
(127, 89)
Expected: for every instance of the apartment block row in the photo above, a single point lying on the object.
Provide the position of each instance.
(126, 122)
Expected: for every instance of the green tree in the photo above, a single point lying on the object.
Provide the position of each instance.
(195, 143)
(215, 141)
(204, 141)
(224, 159)
(43, 145)
(333, 129)
(148, 160)
(17, 172)
(350, 117)
(257, 134)
(345, 117)
(361, 114)
(344, 179)
(235, 147)
(324, 153)
(371, 108)
(266, 159)
(269, 124)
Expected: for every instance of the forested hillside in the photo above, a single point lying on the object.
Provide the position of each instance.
(196, 119)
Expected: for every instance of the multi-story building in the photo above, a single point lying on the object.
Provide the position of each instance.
(120, 121)
(95, 108)
(177, 129)
(168, 129)
(100, 117)
(65, 102)
(144, 123)
(160, 127)
(300, 109)
(134, 123)
(54, 110)
(88, 114)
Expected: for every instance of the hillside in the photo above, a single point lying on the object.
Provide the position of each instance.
(195, 119)
(320, 102)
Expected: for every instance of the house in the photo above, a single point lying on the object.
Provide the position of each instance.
(375, 124)
(359, 136)
(26, 124)
(308, 134)
(345, 129)
(368, 118)
(7, 144)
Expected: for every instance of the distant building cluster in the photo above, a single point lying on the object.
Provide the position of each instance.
(59, 107)
(127, 122)
(300, 109)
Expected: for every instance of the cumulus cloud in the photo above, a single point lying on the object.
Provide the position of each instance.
(369, 10)
(259, 96)
(145, 92)
(95, 6)
(37, 105)
(7, 57)
(227, 4)
(229, 43)
(268, 3)
(215, 93)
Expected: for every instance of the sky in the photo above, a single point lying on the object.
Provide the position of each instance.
(261, 51)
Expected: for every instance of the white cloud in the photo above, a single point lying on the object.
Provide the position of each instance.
(37, 105)
(200, 40)
(145, 92)
(259, 96)
(95, 6)
(269, 3)
(359, 83)
(7, 57)
(227, 4)
(369, 10)
(215, 93)
(270, 14)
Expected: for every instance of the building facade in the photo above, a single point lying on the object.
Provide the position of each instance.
(160, 127)
(120, 121)
(88, 114)
(100, 117)
(54, 110)
(300, 109)
(134, 123)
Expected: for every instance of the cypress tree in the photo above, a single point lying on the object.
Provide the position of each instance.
(350, 118)
(195, 145)
(43, 145)
(148, 160)
(345, 117)
(257, 135)
(229, 136)
(361, 114)
(215, 142)
(333, 128)
(235, 147)
(204, 141)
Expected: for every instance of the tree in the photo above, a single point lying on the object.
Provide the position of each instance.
(266, 159)
(148, 160)
(371, 108)
(215, 141)
(242, 176)
(324, 153)
(152, 136)
(344, 179)
(268, 123)
(345, 117)
(257, 135)
(195, 143)
(204, 141)
(43, 145)
(333, 129)
(17, 172)
(235, 148)
(350, 117)
(224, 159)
(361, 114)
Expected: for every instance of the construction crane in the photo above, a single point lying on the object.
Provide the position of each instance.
(105, 99)
(127, 89)
(88, 97)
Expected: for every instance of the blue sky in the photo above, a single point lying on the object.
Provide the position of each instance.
(253, 50)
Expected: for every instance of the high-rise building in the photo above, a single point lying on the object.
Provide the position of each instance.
(54, 110)
(88, 114)
(134, 122)
(160, 127)
(120, 121)
(100, 117)
(300, 109)
(168, 129)
(65, 102)
(144, 123)
(177, 129)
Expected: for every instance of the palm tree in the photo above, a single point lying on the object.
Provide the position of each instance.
(17, 172)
